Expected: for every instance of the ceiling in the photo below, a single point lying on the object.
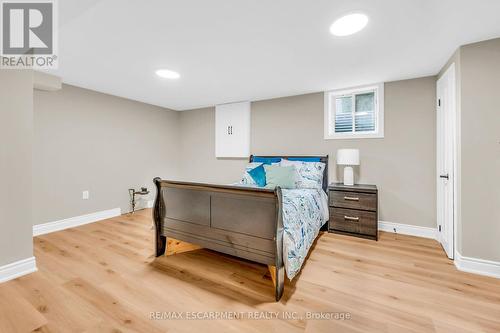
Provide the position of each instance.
(235, 50)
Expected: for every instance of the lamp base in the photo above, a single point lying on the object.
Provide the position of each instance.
(348, 176)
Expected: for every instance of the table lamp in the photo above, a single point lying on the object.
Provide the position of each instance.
(348, 157)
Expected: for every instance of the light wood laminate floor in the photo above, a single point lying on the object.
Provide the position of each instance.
(102, 277)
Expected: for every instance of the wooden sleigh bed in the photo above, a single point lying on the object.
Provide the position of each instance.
(245, 222)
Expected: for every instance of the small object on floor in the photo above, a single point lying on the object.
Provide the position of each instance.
(132, 192)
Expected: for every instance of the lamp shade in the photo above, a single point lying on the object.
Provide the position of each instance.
(348, 157)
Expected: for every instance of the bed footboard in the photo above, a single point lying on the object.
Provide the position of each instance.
(240, 221)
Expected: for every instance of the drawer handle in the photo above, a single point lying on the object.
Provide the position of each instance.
(350, 218)
(351, 198)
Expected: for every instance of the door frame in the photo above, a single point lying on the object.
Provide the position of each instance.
(455, 139)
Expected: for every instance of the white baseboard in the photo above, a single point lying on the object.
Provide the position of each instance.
(45, 228)
(17, 269)
(407, 229)
(477, 266)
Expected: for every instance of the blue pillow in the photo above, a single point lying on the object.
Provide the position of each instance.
(305, 159)
(266, 160)
(258, 175)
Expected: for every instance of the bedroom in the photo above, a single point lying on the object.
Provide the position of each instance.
(78, 137)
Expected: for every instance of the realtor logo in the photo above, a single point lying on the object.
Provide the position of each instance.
(28, 34)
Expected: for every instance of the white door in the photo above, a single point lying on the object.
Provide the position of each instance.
(232, 130)
(446, 164)
(223, 142)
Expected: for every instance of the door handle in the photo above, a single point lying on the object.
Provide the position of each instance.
(444, 176)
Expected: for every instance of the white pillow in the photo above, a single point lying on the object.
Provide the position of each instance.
(310, 174)
(246, 179)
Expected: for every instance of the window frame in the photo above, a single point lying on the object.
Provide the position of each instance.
(330, 111)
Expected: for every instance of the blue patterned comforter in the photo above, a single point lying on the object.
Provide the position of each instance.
(305, 210)
(304, 213)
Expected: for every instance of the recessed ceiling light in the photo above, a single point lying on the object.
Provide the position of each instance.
(167, 74)
(349, 24)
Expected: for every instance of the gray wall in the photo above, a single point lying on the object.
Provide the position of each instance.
(480, 151)
(16, 136)
(85, 140)
(402, 164)
(478, 78)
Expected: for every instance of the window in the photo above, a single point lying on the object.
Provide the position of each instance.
(355, 113)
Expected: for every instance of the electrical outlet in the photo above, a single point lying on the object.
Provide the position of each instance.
(85, 195)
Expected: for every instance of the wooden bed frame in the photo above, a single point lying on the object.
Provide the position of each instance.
(241, 221)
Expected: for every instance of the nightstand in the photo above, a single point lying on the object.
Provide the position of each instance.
(353, 210)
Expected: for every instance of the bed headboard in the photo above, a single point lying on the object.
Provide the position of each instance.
(323, 159)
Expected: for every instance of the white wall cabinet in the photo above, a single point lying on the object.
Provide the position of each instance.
(232, 130)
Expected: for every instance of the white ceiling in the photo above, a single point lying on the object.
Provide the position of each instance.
(234, 50)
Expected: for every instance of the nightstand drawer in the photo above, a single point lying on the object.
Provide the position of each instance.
(353, 200)
(355, 221)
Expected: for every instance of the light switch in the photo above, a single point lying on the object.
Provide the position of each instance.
(85, 195)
